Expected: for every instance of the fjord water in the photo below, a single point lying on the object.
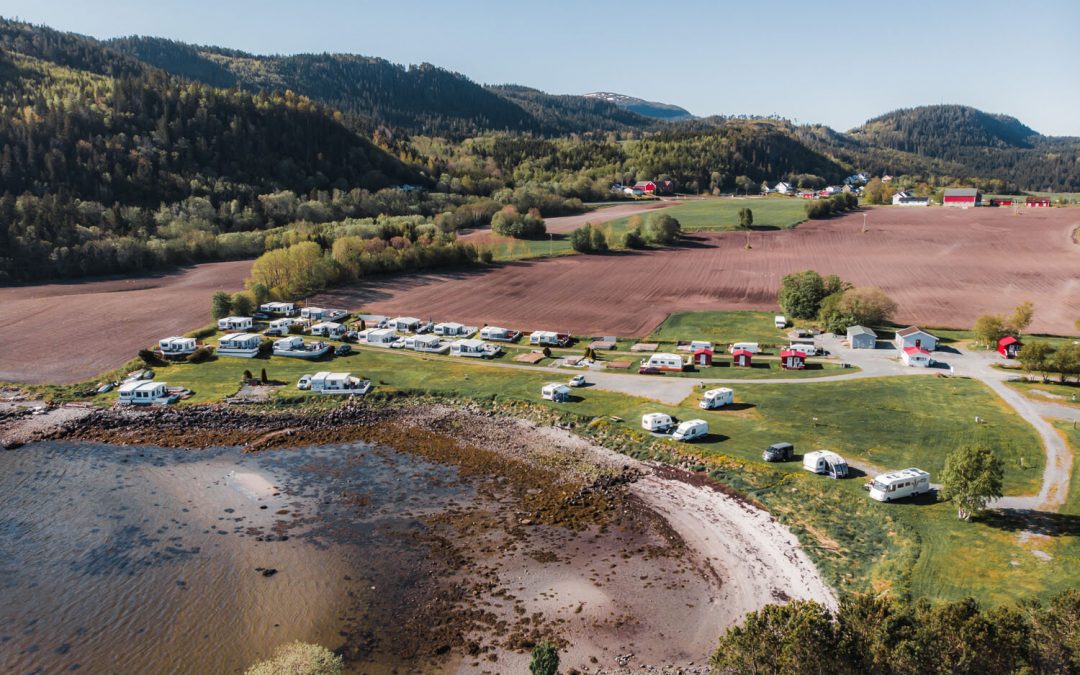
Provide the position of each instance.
(136, 559)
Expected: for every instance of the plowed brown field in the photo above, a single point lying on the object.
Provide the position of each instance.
(943, 267)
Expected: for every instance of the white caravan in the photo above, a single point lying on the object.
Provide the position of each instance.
(700, 344)
(244, 345)
(146, 393)
(474, 348)
(780, 321)
(452, 329)
(803, 348)
(499, 334)
(235, 323)
(296, 347)
(432, 344)
(177, 346)
(691, 430)
(549, 338)
(661, 361)
(555, 391)
(717, 398)
(899, 484)
(825, 463)
(751, 347)
(378, 337)
(336, 383)
(656, 422)
(329, 329)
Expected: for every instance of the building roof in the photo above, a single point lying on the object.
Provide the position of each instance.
(961, 192)
(1008, 340)
(740, 352)
(911, 330)
(860, 330)
(916, 350)
(785, 353)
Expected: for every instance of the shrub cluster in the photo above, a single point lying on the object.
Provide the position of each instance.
(824, 208)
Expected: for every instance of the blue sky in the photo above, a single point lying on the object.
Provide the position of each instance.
(835, 63)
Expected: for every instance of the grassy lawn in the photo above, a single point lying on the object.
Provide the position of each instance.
(720, 327)
(1053, 392)
(705, 215)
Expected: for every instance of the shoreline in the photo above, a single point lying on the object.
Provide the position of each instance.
(684, 557)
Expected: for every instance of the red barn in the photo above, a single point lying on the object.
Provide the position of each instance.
(792, 360)
(742, 358)
(1008, 346)
(646, 186)
(703, 357)
(962, 197)
(996, 201)
(1037, 201)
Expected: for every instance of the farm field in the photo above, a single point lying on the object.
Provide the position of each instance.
(925, 419)
(771, 213)
(960, 255)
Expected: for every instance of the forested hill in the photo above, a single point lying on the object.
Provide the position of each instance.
(420, 99)
(942, 131)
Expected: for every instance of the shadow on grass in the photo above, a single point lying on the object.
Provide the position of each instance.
(1037, 522)
(711, 438)
(738, 406)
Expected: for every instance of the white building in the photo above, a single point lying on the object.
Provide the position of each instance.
(431, 344)
(280, 308)
(405, 323)
(662, 361)
(338, 383)
(236, 323)
(785, 188)
(913, 336)
(145, 393)
(280, 326)
(916, 357)
(549, 338)
(499, 334)
(452, 329)
(474, 348)
(329, 329)
(177, 346)
(379, 337)
(294, 346)
(905, 198)
(244, 345)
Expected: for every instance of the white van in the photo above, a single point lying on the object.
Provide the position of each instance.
(656, 422)
(691, 430)
(825, 463)
(899, 484)
(751, 347)
(717, 398)
(555, 391)
(780, 321)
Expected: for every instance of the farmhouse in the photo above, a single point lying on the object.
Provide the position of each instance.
(279, 308)
(329, 329)
(235, 323)
(662, 361)
(905, 198)
(499, 334)
(791, 359)
(645, 186)
(962, 197)
(916, 357)
(912, 336)
(1008, 347)
(861, 337)
(784, 188)
(177, 346)
(145, 393)
(742, 358)
(244, 345)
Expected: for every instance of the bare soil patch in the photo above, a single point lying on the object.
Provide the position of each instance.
(943, 267)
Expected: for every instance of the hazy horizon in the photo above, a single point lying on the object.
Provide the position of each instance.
(830, 65)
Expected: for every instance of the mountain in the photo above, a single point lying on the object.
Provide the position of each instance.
(939, 131)
(660, 111)
(423, 99)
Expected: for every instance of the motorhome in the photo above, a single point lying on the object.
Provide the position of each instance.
(549, 338)
(825, 463)
(474, 348)
(899, 484)
(244, 345)
(662, 361)
(177, 346)
(656, 422)
(451, 329)
(334, 331)
(432, 344)
(780, 321)
(337, 383)
(751, 347)
(716, 398)
(141, 392)
(691, 430)
(295, 347)
(499, 334)
(235, 323)
(278, 308)
(555, 391)
(779, 452)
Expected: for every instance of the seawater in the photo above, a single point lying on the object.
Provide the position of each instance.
(144, 560)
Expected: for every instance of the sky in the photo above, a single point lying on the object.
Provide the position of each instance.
(835, 63)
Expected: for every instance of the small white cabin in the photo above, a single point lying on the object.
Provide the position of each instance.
(177, 346)
(915, 357)
(404, 323)
(473, 348)
(452, 329)
(427, 343)
(691, 430)
(329, 329)
(899, 484)
(244, 345)
(548, 338)
(141, 392)
(913, 336)
(825, 463)
(235, 323)
(499, 334)
(280, 308)
(780, 321)
(656, 422)
(717, 398)
(751, 347)
(662, 361)
(338, 383)
(555, 391)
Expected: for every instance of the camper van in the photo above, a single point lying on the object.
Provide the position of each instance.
(825, 463)
(899, 484)
(780, 321)
(656, 422)
(691, 430)
(779, 452)
(751, 347)
(808, 349)
(717, 398)
(669, 362)
(555, 391)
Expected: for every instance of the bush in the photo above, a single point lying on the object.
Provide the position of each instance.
(150, 358)
(266, 347)
(243, 304)
(632, 239)
(200, 355)
(545, 659)
(299, 658)
(825, 208)
(509, 222)
(661, 229)
(220, 305)
(581, 239)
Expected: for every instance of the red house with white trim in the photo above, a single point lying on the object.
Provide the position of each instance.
(1008, 346)
(962, 197)
(792, 360)
(1037, 201)
(742, 358)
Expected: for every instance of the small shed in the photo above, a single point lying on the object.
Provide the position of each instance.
(916, 357)
(1008, 346)
(703, 357)
(742, 358)
(861, 337)
(791, 359)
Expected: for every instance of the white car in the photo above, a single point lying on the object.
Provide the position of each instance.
(578, 381)
(304, 383)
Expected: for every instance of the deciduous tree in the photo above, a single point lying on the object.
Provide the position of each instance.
(1021, 318)
(220, 305)
(971, 478)
(989, 328)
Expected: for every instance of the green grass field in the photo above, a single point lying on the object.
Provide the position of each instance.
(705, 215)
(1053, 392)
(720, 327)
